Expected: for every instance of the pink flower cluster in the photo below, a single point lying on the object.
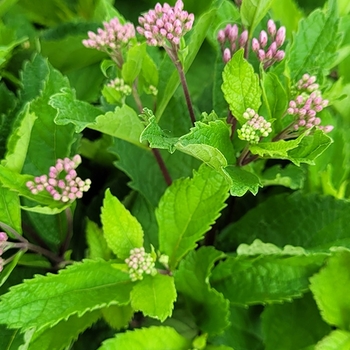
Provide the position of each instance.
(255, 127)
(139, 263)
(3, 245)
(165, 23)
(307, 104)
(62, 183)
(230, 41)
(112, 37)
(269, 54)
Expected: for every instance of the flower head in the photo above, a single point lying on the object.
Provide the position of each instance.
(307, 104)
(269, 54)
(255, 127)
(112, 37)
(62, 182)
(165, 24)
(119, 85)
(139, 263)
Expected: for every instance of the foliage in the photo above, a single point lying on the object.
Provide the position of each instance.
(174, 179)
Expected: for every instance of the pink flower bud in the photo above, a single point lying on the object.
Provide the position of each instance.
(280, 36)
(221, 37)
(261, 55)
(328, 128)
(243, 38)
(279, 56)
(3, 237)
(273, 48)
(255, 45)
(226, 55)
(271, 27)
(233, 33)
(263, 38)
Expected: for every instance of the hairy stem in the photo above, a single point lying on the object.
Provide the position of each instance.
(162, 166)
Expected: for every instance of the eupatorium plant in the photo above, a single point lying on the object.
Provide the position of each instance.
(174, 176)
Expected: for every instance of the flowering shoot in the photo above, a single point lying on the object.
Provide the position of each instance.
(140, 263)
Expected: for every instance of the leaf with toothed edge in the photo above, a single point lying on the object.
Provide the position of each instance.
(46, 300)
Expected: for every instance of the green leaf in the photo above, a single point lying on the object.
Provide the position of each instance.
(152, 338)
(6, 272)
(18, 142)
(97, 244)
(274, 96)
(43, 148)
(241, 86)
(336, 340)
(209, 308)
(298, 217)
(242, 181)
(122, 123)
(263, 273)
(10, 211)
(71, 110)
(290, 176)
(121, 230)
(291, 326)
(133, 64)
(314, 48)
(46, 300)
(187, 210)
(63, 333)
(253, 11)
(310, 147)
(13, 339)
(118, 316)
(330, 289)
(154, 296)
(169, 78)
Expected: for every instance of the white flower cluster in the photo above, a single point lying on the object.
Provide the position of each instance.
(139, 263)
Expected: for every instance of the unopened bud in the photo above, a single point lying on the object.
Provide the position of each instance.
(280, 36)
(255, 45)
(226, 56)
(243, 38)
(263, 38)
(271, 27)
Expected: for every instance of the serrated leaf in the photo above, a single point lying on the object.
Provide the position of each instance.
(121, 230)
(291, 326)
(187, 210)
(253, 11)
(46, 300)
(314, 47)
(297, 217)
(241, 86)
(152, 338)
(63, 333)
(118, 316)
(154, 296)
(96, 242)
(42, 141)
(330, 289)
(274, 96)
(209, 308)
(242, 181)
(266, 278)
(336, 340)
(10, 212)
(310, 147)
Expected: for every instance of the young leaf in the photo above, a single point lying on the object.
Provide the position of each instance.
(121, 230)
(118, 316)
(242, 181)
(209, 308)
(133, 64)
(330, 289)
(241, 86)
(154, 296)
(187, 210)
(298, 217)
(253, 11)
(306, 329)
(10, 211)
(63, 333)
(315, 45)
(97, 244)
(336, 340)
(46, 300)
(263, 273)
(152, 338)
